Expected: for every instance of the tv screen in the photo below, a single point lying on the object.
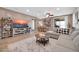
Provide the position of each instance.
(20, 25)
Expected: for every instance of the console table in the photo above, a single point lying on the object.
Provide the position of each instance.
(63, 31)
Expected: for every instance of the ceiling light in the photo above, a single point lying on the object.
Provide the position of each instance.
(57, 9)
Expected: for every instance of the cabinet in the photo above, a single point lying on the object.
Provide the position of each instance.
(17, 31)
(5, 27)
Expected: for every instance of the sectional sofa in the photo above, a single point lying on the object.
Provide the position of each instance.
(70, 41)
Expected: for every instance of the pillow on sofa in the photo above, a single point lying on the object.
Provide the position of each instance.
(74, 34)
(76, 42)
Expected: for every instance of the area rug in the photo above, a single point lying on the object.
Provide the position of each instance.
(30, 45)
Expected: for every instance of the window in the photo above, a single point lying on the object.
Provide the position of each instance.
(60, 24)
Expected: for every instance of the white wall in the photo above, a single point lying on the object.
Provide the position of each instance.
(32, 25)
(66, 21)
(75, 19)
(77, 23)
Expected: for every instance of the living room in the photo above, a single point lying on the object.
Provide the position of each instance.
(39, 29)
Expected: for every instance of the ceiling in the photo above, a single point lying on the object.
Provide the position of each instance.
(40, 12)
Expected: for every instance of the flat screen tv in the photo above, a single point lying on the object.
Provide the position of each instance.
(20, 25)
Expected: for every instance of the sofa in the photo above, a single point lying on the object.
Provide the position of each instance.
(69, 41)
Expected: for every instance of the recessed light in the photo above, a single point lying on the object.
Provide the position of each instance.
(28, 10)
(57, 9)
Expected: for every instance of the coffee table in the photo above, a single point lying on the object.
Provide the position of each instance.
(42, 39)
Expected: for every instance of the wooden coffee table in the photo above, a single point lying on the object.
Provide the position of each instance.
(42, 39)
